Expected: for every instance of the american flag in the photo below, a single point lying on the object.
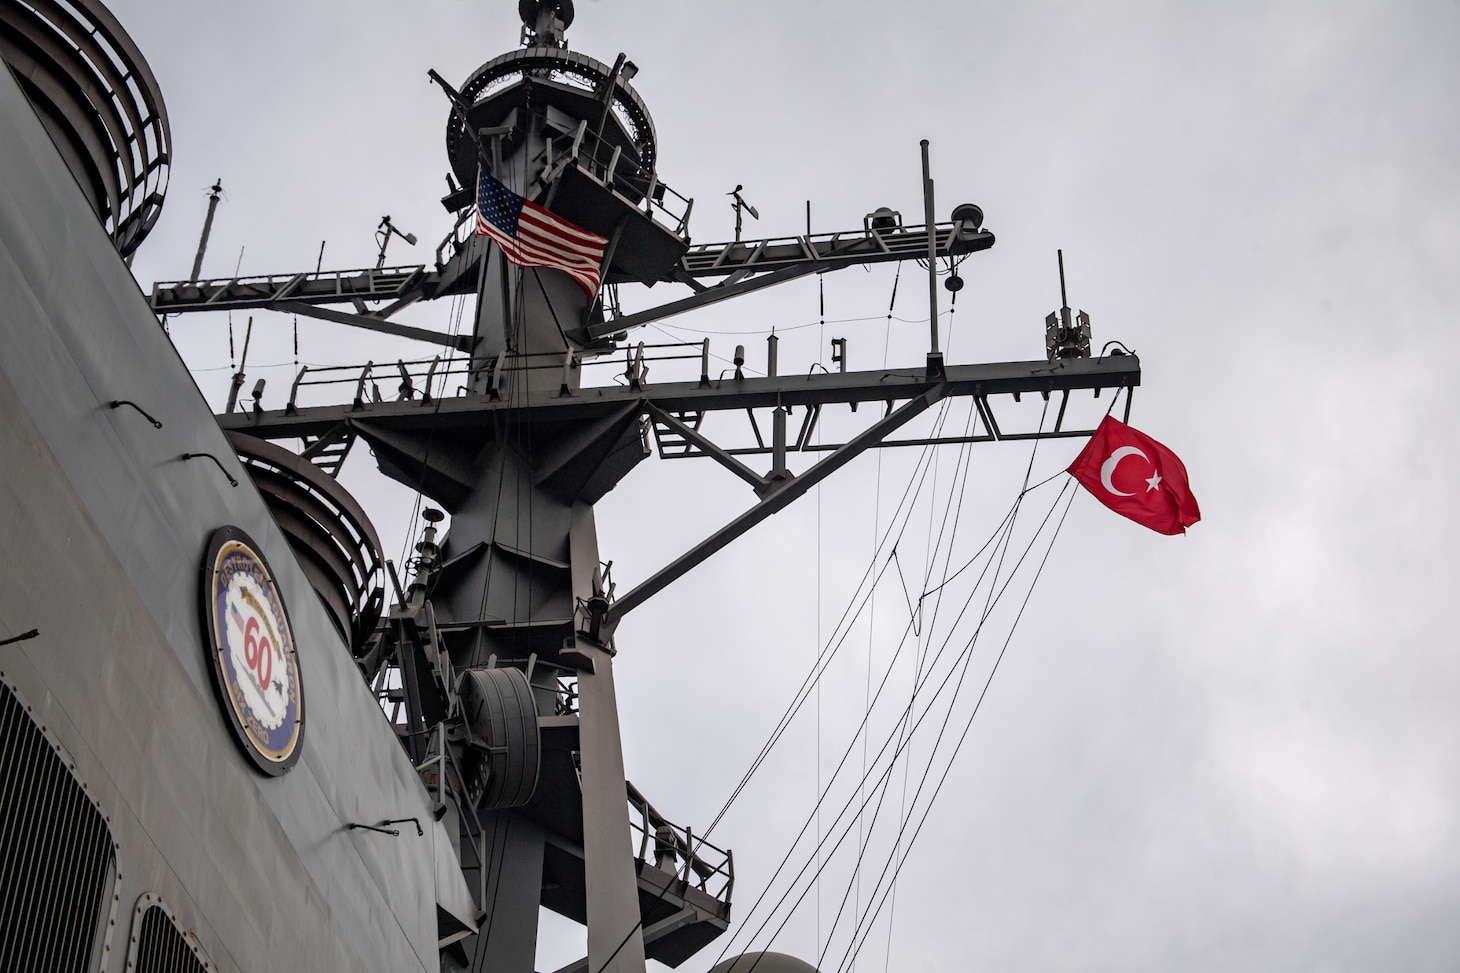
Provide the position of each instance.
(530, 236)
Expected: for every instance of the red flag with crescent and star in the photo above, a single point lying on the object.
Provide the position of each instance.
(1136, 477)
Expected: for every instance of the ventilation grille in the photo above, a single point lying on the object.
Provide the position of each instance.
(57, 857)
(159, 946)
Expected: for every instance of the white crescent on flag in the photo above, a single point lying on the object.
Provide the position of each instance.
(1107, 470)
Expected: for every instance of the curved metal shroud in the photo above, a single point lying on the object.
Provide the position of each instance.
(99, 102)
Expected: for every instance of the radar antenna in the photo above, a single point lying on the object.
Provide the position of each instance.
(741, 206)
(1063, 337)
(383, 233)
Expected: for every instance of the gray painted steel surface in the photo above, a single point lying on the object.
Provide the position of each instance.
(103, 528)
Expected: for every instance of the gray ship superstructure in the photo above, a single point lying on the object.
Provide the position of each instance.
(236, 737)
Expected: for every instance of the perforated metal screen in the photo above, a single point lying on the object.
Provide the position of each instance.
(57, 857)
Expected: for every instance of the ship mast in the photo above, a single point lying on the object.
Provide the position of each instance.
(500, 650)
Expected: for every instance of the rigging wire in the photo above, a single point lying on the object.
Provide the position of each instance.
(967, 657)
(872, 608)
(903, 816)
(968, 724)
(719, 358)
(994, 542)
(840, 634)
(849, 616)
(1006, 528)
(965, 457)
(963, 655)
(915, 619)
(904, 737)
(966, 565)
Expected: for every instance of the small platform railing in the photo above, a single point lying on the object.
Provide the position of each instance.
(611, 167)
(675, 850)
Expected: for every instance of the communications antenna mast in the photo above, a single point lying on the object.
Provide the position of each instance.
(499, 651)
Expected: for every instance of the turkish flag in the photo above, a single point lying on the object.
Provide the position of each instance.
(1136, 477)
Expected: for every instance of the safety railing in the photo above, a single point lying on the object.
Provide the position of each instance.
(675, 850)
(428, 381)
(613, 168)
(416, 381)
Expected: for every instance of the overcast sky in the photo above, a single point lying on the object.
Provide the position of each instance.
(1233, 750)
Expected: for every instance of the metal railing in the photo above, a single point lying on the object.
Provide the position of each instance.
(607, 164)
(434, 380)
(426, 382)
(565, 697)
(675, 850)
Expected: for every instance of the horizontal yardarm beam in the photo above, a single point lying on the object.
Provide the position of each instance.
(891, 385)
(750, 265)
(326, 287)
(833, 250)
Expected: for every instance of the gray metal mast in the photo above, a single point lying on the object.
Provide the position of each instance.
(523, 588)
(213, 195)
(499, 651)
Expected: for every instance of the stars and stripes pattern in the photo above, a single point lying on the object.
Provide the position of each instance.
(530, 236)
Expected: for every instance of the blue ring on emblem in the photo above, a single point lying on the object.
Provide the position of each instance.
(251, 650)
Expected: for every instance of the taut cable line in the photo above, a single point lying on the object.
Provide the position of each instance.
(1006, 535)
(965, 657)
(839, 635)
(1001, 535)
(968, 724)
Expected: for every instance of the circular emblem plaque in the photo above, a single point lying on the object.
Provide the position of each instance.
(255, 665)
